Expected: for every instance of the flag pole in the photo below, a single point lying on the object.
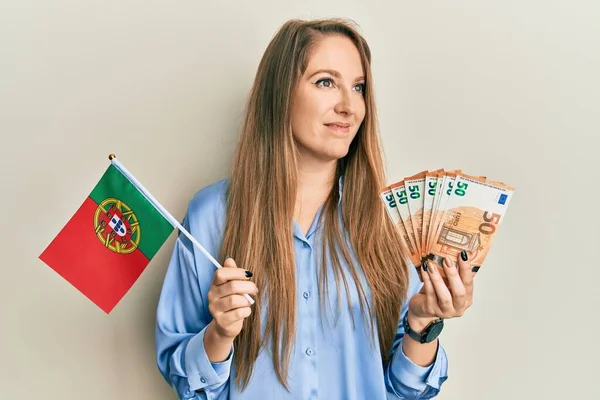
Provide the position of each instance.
(165, 213)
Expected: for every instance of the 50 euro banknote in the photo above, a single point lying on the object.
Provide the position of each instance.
(388, 196)
(455, 212)
(469, 219)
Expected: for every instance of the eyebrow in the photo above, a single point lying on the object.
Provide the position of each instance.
(334, 73)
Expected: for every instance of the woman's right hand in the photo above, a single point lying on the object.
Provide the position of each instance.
(226, 301)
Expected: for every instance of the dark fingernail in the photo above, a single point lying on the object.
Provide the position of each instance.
(227, 257)
(475, 269)
(248, 274)
(424, 266)
(463, 255)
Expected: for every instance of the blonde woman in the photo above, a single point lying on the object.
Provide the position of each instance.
(299, 227)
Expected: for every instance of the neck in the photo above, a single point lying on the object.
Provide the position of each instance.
(315, 180)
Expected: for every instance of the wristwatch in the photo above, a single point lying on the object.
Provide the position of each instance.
(429, 334)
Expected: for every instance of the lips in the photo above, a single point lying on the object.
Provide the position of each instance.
(339, 127)
(339, 124)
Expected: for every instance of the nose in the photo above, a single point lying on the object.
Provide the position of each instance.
(344, 105)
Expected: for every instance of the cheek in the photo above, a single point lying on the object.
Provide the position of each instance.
(299, 119)
(302, 127)
(361, 111)
(308, 116)
(317, 108)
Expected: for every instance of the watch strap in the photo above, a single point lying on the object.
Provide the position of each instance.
(420, 337)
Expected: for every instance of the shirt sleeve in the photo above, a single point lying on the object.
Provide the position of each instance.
(182, 316)
(405, 379)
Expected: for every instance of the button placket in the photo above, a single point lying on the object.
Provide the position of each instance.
(308, 311)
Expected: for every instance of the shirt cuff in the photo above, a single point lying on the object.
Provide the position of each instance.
(418, 377)
(222, 368)
(201, 372)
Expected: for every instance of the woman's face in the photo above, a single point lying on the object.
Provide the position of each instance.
(328, 105)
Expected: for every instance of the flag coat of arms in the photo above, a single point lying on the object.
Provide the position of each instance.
(109, 241)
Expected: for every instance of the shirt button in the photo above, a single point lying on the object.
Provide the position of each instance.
(306, 295)
(309, 352)
(203, 379)
(306, 245)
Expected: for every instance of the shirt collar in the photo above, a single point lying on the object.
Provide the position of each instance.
(318, 222)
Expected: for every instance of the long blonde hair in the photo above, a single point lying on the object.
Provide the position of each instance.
(261, 198)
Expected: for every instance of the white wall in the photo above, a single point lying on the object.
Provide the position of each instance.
(507, 89)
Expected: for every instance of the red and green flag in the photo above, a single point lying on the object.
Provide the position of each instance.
(109, 241)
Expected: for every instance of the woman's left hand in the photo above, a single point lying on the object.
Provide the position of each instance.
(438, 299)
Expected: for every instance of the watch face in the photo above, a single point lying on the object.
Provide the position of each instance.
(434, 332)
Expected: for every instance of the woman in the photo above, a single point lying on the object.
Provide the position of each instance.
(300, 228)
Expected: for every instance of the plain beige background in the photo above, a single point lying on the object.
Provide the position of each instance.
(506, 89)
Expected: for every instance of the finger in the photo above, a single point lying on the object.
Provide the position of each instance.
(231, 302)
(230, 272)
(421, 272)
(444, 297)
(234, 315)
(229, 262)
(431, 298)
(464, 269)
(455, 284)
(234, 287)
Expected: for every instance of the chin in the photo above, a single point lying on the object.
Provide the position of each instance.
(335, 154)
(327, 152)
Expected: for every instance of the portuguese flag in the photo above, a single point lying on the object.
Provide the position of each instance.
(109, 241)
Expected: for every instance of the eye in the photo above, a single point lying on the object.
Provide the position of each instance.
(325, 82)
(360, 87)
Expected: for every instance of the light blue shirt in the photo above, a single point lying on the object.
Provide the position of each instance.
(330, 360)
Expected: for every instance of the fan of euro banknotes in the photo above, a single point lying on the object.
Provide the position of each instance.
(440, 213)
